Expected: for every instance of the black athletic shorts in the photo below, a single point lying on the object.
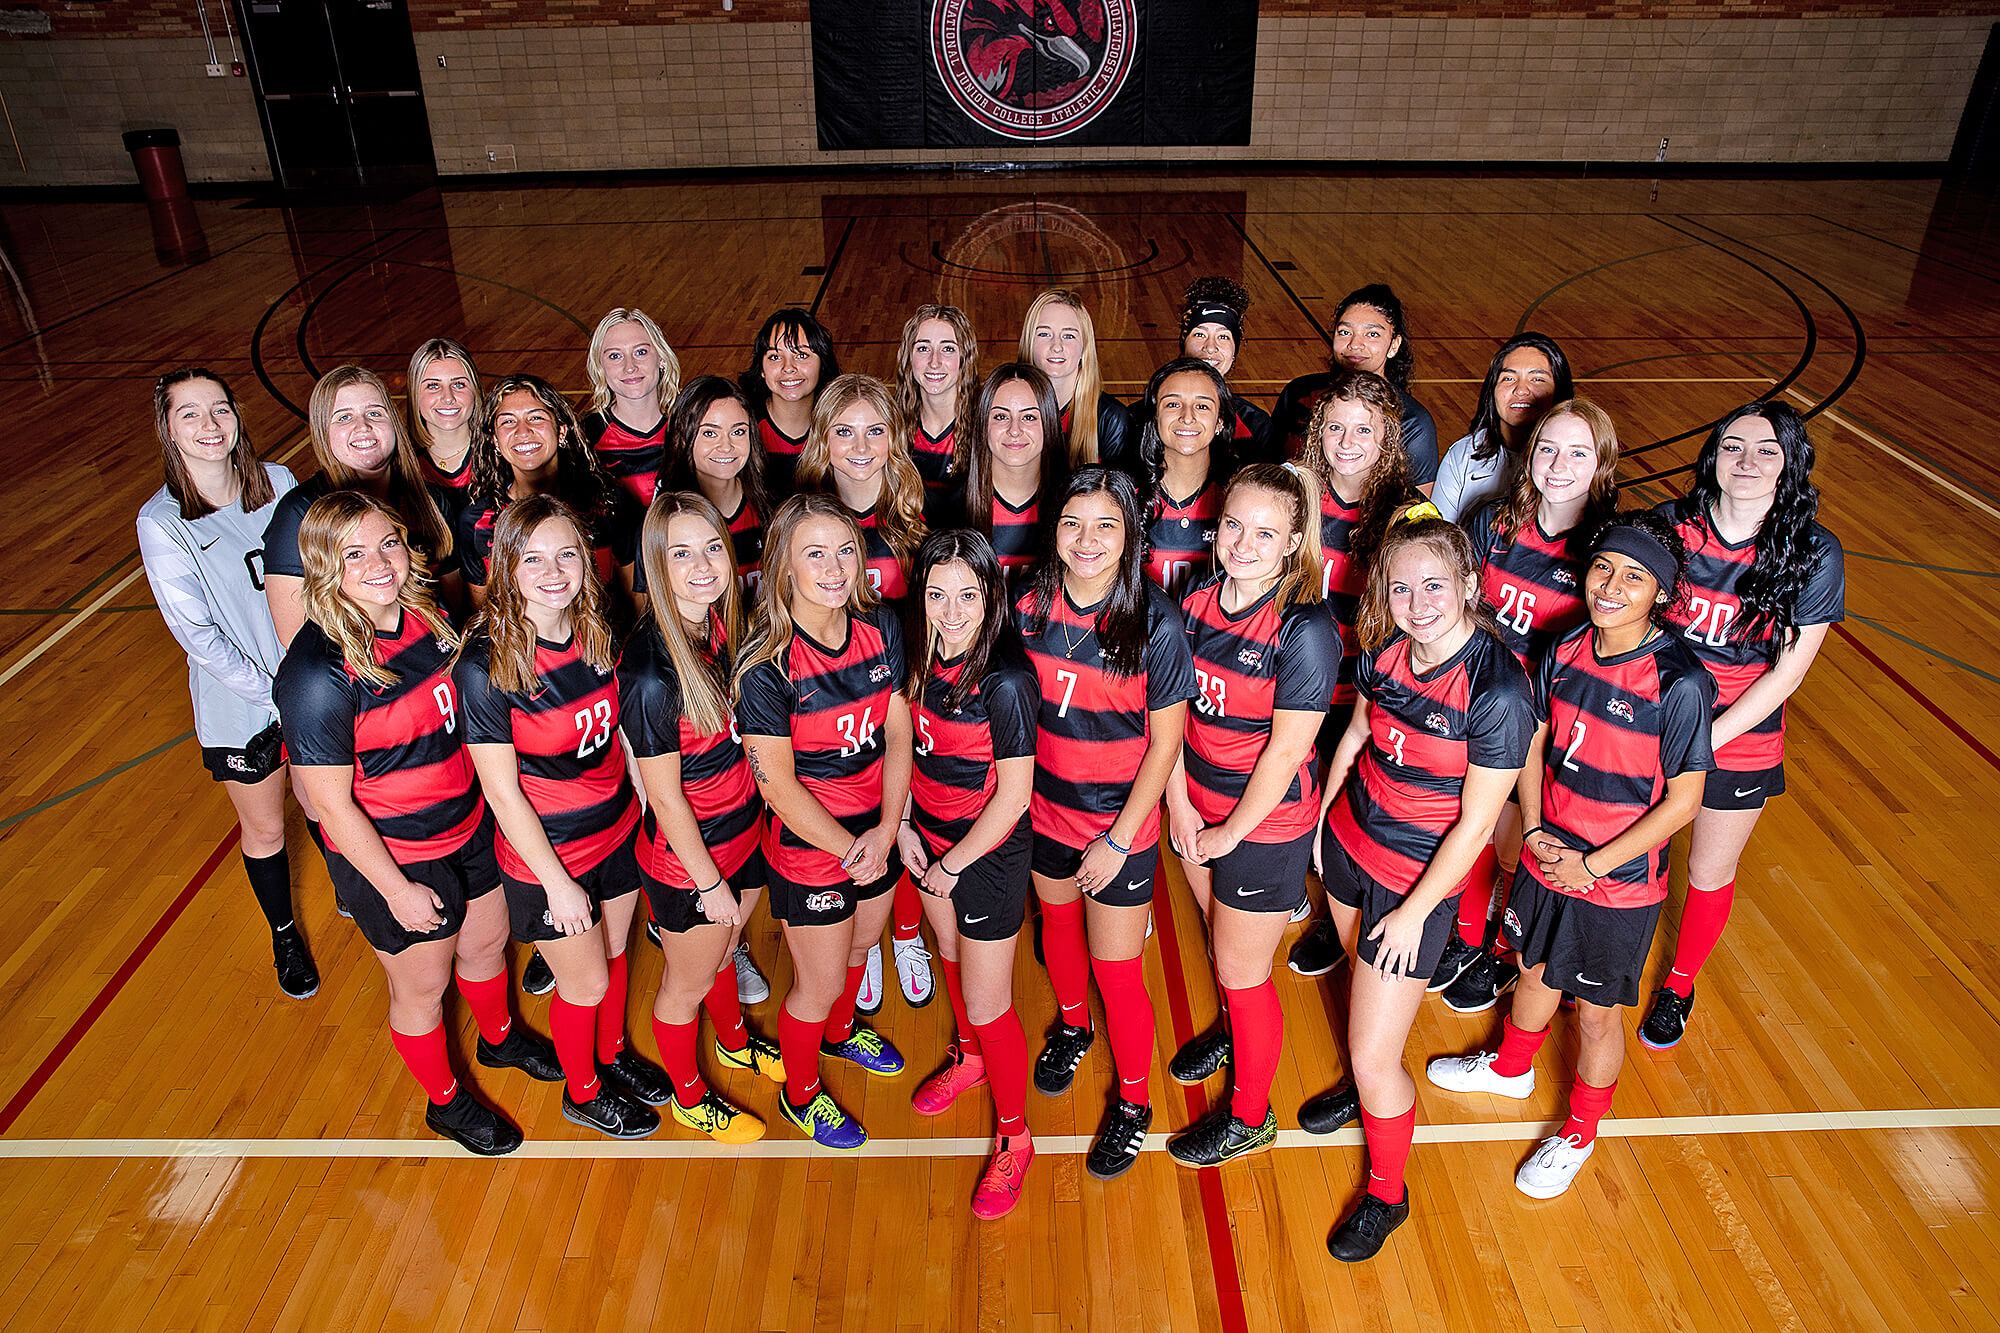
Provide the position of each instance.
(607, 881)
(1593, 952)
(260, 757)
(992, 893)
(678, 910)
(469, 873)
(1742, 791)
(1132, 888)
(1263, 876)
(1351, 886)
(828, 904)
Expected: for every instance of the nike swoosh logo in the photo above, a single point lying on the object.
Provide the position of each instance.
(975, 920)
(1133, 886)
(807, 695)
(1749, 791)
(210, 542)
(1250, 893)
(1587, 981)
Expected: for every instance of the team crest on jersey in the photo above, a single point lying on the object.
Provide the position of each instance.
(830, 901)
(1034, 69)
(1619, 709)
(1250, 657)
(878, 673)
(1208, 536)
(1436, 722)
(1564, 579)
(1512, 923)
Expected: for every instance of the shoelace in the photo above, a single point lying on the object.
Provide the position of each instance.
(1546, 1154)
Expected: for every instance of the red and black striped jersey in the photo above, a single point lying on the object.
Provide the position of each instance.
(452, 490)
(1248, 666)
(1475, 709)
(933, 456)
(1255, 436)
(746, 537)
(830, 703)
(632, 457)
(886, 575)
(1619, 727)
(614, 538)
(715, 775)
(412, 777)
(1017, 537)
(781, 458)
(1342, 581)
(1532, 583)
(1093, 724)
(1180, 537)
(954, 776)
(1707, 613)
(565, 734)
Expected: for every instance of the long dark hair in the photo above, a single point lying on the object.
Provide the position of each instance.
(1121, 625)
(1486, 417)
(253, 484)
(797, 328)
(976, 460)
(1153, 451)
(702, 393)
(581, 481)
(1783, 562)
(976, 553)
(1379, 296)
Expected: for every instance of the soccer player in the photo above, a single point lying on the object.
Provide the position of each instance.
(443, 408)
(634, 378)
(710, 449)
(1765, 581)
(1616, 769)
(1019, 459)
(1186, 446)
(791, 358)
(1111, 657)
(1059, 339)
(1212, 311)
(1527, 376)
(1371, 335)
(823, 714)
(937, 386)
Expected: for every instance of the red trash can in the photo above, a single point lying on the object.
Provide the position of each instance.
(177, 234)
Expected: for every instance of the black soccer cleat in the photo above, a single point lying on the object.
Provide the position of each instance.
(473, 1125)
(536, 979)
(1055, 1067)
(297, 977)
(1198, 1061)
(1361, 1235)
(635, 1076)
(1457, 956)
(1336, 1108)
(1317, 952)
(612, 1113)
(1220, 1136)
(522, 1049)
(1666, 1023)
(1119, 1139)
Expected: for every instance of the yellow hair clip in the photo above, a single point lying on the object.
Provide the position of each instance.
(1417, 513)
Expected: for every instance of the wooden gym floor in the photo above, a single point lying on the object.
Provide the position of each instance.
(182, 1148)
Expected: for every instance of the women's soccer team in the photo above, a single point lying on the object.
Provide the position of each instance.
(958, 650)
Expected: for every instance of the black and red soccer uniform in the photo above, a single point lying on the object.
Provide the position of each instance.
(1706, 620)
(1092, 723)
(954, 776)
(884, 572)
(1532, 582)
(781, 458)
(1342, 581)
(412, 776)
(830, 702)
(565, 733)
(1248, 666)
(281, 534)
(614, 538)
(1475, 709)
(933, 456)
(632, 457)
(746, 538)
(1619, 728)
(1180, 539)
(1254, 434)
(1017, 537)
(452, 490)
(715, 774)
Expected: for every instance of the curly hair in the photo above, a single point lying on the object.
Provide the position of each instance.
(1389, 487)
(1783, 564)
(327, 527)
(1211, 291)
(1661, 529)
(581, 481)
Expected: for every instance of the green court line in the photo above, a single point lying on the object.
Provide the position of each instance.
(103, 777)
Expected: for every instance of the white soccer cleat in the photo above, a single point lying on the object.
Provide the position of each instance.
(1552, 1166)
(1475, 1073)
(913, 971)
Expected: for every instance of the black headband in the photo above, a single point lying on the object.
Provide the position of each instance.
(1642, 546)
(1213, 313)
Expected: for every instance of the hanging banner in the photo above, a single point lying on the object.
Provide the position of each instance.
(986, 73)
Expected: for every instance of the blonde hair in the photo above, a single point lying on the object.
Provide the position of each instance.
(703, 675)
(910, 398)
(1299, 580)
(1374, 624)
(670, 364)
(327, 528)
(1520, 507)
(771, 627)
(441, 349)
(505, 618)
(1089, 375)
(899, 509)
(408, 495)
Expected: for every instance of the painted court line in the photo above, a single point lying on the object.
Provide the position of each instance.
(1785, 1122)
(1867, 437)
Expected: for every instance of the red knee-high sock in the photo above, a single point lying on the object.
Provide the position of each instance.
(1128, 1015)
(798, 1044)
(611, 1012)
(725, 1010)
(1256, 1035)
(1702, 920)
(968, 1038)
(840, 1022)
(1389, 1139)
(574, 1030)
(1068, 960)
(488, 1001)
(1477, 897)
(429, 1062)
(1517, 1049)
(676, 1042)
(1005, 1048)
(1587, 1105)
(908, 910)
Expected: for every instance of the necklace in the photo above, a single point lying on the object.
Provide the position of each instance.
(1071, 645)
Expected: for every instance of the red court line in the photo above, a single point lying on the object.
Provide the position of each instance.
(1950, 722)
(1215, 1214)
(126, 970)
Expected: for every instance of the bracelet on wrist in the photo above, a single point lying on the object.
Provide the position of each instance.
(1529, 833)
(1584, 861)
(1112, 843)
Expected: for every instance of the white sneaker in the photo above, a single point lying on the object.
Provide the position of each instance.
(1303, 910)
(913, 971)
(1552, 1166)
(868, 999)
(1474, 1073)
(751, 988)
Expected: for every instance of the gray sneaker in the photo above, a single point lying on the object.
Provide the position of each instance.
(751, 988)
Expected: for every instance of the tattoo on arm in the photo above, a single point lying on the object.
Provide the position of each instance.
(756, 769)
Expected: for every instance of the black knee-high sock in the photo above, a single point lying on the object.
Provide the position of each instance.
(271, 881)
